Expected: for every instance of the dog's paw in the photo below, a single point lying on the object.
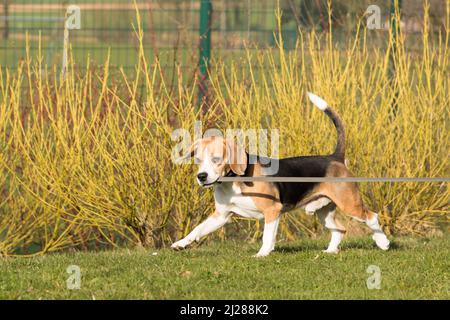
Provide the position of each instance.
(180, 245)
(332, 251)
(262, 253)
(381, 240)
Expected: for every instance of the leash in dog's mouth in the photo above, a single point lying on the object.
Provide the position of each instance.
(230, 174)
(212, 183)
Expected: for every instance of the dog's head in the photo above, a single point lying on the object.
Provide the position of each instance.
(216, 158)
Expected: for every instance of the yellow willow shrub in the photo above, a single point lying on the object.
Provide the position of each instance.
(83, 161)
(86, 162)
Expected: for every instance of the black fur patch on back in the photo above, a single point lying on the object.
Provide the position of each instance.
(291, 193)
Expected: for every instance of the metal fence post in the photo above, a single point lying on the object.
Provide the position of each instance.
(395, 25)
(205, 48)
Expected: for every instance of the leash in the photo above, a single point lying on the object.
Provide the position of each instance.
(235, 178)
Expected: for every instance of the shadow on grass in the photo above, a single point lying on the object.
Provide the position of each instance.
(365, 244)
(370, 245)
(302, 247)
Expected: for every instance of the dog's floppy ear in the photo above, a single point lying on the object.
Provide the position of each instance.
(237, 157)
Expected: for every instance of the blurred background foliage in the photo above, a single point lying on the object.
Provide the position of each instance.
(172, 27)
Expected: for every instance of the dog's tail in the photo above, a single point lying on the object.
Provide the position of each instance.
(339, 152)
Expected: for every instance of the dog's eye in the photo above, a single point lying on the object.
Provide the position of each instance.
(216, 160)
(197, 160)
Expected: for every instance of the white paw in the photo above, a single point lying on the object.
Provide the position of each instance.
(262, 253)
(381, 240)
(331, 250)
(181, 244)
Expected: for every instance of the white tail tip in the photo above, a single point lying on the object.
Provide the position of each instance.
(318, 101)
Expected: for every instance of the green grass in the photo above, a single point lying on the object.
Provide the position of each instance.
(413, 269)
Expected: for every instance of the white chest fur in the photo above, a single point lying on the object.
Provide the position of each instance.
(229, 198)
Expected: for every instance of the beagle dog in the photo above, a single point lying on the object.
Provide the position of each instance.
(218, 157)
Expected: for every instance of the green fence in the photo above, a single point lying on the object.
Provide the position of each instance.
(171, 27)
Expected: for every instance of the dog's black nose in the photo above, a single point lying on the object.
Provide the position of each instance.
(202, 176)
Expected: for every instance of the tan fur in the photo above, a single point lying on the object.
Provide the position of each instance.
(236, 156)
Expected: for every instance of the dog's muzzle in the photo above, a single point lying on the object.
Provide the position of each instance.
(202, 179)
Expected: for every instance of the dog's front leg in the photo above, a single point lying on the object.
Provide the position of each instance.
(211, 224)
(271, 222)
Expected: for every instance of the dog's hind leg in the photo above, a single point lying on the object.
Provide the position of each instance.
(357, 211)
(327, 217)
(346, 196)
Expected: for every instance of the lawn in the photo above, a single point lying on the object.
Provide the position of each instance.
(414, 269)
